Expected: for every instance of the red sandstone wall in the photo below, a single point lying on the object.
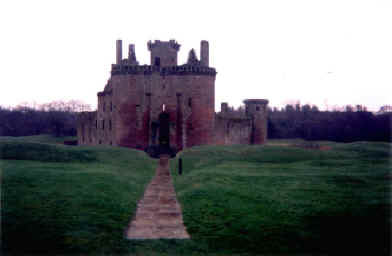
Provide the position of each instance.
(133, 124)
(202, 119)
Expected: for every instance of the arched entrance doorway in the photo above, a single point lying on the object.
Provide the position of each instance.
(164, 130)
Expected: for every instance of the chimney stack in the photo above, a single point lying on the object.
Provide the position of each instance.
(118, 51)
(204, 53)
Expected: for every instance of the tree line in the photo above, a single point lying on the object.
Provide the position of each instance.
(347, 124)
(293, 121)
(57, 118)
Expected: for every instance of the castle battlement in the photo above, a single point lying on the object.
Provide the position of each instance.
(157, 43)
(170, 70)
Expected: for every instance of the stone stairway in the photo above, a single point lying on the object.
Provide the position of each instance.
(158, 214)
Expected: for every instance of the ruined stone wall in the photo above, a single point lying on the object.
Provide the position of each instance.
(104, 121)
(86, 131)
(230, 131)
(245, 126)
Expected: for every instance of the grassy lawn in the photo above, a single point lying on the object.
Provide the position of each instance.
(68, 199)
(240, 199)
(286, 199)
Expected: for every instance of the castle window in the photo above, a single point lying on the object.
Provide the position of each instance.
(104, 106)
(257, 108)
(100, 141)
(157, 61)
(96, 124)
(103, 124)
(190, 102)
(110, 125)
(111, 107)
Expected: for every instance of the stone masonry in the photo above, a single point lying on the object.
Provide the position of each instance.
(135, 96)
(158, 214)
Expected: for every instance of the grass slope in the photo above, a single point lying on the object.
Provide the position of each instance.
(285, 199)
(238, 199)
(66, 199)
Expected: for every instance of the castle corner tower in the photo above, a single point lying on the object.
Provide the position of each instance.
(257, 110)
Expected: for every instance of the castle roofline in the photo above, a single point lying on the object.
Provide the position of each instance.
(256, 101)
(185, 69)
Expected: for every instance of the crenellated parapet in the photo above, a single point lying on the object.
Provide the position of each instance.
(164, 71)
(157, 43)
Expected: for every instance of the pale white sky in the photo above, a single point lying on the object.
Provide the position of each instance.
(335, 52)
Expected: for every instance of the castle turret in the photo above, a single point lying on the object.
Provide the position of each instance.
(163, 53)
(224, 107)
(132, 55)
(204, 53)
(118, 51)
(192, 59)
(257, 110)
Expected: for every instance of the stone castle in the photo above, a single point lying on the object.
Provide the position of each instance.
(143, 106)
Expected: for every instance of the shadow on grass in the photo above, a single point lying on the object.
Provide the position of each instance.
(352, 235)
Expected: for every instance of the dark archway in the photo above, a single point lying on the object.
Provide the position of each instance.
(164, 130)
(161, 129)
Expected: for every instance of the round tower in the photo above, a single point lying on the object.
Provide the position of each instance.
(256, 109)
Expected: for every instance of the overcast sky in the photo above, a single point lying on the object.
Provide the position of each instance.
(318, 52)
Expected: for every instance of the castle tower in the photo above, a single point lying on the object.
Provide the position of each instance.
(257, 110)
(163, 53)
(204, 53)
